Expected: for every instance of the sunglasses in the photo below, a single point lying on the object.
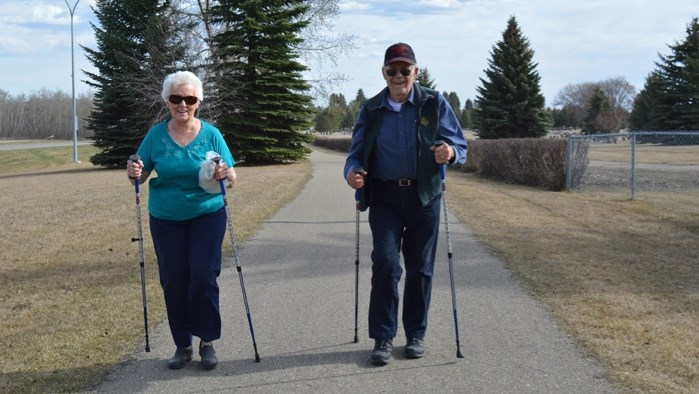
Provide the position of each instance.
(189, 100)
(391, 72)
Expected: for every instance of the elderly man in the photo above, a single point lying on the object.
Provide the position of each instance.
(393, 142)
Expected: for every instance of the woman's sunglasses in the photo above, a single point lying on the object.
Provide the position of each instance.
(189, 100)
(391, 72)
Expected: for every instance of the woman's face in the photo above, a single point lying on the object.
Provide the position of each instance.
(182, 111)
(398, 84)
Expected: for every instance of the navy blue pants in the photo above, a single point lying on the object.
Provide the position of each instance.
(189, 262)
(399, 222)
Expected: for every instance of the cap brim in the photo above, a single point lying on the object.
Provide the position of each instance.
(399, 59)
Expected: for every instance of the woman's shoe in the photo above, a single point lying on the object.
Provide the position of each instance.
(182, 355)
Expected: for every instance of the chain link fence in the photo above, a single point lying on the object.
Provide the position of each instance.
(634, 163)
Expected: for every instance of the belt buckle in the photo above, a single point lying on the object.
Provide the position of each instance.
(404, 182)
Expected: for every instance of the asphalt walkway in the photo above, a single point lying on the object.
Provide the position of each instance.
(299, 274)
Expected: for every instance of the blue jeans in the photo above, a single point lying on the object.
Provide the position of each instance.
(189, 262)
(399, 222)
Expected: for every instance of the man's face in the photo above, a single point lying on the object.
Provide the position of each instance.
(398, 84)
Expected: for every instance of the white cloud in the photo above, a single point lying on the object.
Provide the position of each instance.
(573, 41)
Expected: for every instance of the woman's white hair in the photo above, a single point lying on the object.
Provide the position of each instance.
(182, 78)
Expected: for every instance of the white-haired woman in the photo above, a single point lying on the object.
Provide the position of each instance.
(187, 223)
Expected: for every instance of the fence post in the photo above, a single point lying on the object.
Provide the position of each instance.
(633, 165)
(569, 163)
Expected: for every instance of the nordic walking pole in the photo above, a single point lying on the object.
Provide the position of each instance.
(442, 175)
(136, 158)
(237, 261)
(356, 170)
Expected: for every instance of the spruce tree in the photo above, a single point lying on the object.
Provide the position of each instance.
(134, 53)
(510, 103)
(644, 115)
(424, 79)
(599, 117)
(675, 95)
(263, 104)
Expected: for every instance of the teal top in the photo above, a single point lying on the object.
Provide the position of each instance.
(175, 193)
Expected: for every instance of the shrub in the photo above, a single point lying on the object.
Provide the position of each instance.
(341, 144)
(527, 161)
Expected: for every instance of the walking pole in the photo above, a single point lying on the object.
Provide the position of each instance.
(356, 170)
(237, 262)
(442, 175)
(136, 158)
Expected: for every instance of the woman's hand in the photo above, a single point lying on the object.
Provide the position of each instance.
(221, 172)
(134, 169)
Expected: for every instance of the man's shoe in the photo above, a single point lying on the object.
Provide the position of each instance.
(382, 351)
(415, 348)
(182, 355)
(208, 356)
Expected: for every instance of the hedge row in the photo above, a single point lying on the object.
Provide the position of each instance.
(526, 161)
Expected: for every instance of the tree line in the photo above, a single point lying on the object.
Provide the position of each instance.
(509, 103)
(42, 114)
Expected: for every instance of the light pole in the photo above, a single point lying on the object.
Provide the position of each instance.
(72, 75)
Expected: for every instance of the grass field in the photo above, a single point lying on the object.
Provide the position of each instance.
(622, 277)
(70, 277)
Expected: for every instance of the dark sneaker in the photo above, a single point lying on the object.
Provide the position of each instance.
(208, 356)
(382, 351)
(415, 348)
(182, 355)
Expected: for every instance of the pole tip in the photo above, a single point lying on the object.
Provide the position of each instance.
(257, 358)
(459, 354)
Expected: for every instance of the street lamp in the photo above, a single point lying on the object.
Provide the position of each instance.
(72, 75)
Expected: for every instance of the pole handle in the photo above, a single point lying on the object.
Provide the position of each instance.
(135, 158)
(442, 173)
(357, 170)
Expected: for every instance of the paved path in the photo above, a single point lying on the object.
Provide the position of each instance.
(299, 274)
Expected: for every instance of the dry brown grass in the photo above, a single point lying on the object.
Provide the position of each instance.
(645, 153)
(621, 276)
(70, 293)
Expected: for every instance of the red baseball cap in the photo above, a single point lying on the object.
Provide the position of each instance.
(399, 52)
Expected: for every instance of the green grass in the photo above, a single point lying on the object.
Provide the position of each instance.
(37, 159)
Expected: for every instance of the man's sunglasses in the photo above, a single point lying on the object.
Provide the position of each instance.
(189, 100)
(391, 72)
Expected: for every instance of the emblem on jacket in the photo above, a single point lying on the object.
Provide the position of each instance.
(424, 121)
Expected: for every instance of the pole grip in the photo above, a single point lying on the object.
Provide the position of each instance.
(442, 173)
(220, 181)
(357, 170)
(135, 158)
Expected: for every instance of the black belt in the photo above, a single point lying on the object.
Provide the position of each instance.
(401, 182)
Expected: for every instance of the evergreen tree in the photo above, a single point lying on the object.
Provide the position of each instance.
(136, 48)
(644, 115)
(599, 118)
(676, 100)
(510, 103)
(466, 118)
(262, 98)
(454, 102)
(353, 110)
(424, 79)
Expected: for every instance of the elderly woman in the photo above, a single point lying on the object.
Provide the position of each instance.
(187, 223)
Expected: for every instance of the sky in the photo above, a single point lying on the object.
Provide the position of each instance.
(574, 41)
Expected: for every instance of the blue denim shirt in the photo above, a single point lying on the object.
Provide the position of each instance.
(396, 154)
